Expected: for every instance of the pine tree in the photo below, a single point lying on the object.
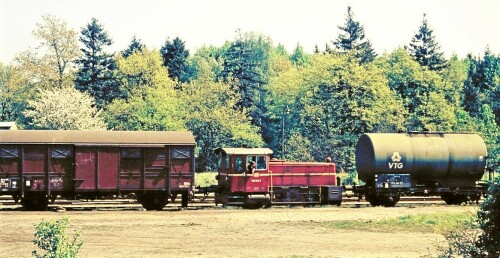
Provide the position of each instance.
(175, 57)
(299, 57)
(135, 45)
(472, 99)
(425, 49)
(352, 38)
(96, 73)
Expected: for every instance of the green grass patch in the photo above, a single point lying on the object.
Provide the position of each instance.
(205, 178)
(421, 223)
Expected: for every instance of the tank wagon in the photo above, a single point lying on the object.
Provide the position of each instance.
(443, 164)
(38, 166)
(273, 181)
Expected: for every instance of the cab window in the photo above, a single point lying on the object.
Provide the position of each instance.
(260, 160)
(238, 165)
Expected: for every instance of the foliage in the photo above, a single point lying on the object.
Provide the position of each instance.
(63, 109)
(141, 70)
(246, 65)
(96, 74)
(479, 237)
(205, 179)
(423, 223)
(352, 39)
(152, 102)
(134, 46)
(332, 101)
(483, 84)
(421, 90)
(54, 242)
(175, 56)
(15, 91)
(211, 115)
(59, 43)
(299, 57)
(152, 109)
(425, 49)
(490, 132)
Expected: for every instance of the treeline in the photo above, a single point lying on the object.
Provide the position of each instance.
(249, 92)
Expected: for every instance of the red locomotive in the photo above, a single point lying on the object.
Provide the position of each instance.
(36, 166)
(248, 177)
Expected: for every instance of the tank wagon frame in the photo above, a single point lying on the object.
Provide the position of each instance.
(445, 164)
(38, 166)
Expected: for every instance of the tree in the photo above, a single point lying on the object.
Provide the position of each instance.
(246, 60)
(299, 57)
(134, 46)
(142, 69)
(425, 49)
(418, 87)
(489, 221)
(151, 103)
(352, 39)
(15, 91)
(51, 237)
(96, 74)
(472, 98)
(54, 68)
(331, 102)
(175, 57)
(211, 115)
(63, 109)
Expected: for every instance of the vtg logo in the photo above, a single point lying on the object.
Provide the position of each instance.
(395, 164)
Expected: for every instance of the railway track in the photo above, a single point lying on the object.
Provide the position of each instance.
(198, 202)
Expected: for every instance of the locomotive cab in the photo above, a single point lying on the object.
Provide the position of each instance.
(247, 177)
(239, 183)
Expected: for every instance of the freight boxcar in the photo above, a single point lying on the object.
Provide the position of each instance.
(444, 164)
(273, 181)
(38, 166)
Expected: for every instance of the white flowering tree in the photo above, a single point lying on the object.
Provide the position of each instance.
(64, 109)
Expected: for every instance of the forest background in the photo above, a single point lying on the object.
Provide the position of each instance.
(252, 93)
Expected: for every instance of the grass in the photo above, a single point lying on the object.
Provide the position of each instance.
(419, 223)
(205, 178)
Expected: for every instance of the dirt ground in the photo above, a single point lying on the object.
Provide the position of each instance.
(275, 232)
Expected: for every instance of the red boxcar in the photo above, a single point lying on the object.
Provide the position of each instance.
(273, 181)
(36, 166)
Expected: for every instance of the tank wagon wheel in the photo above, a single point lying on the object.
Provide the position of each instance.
(373, 200)
(390, 201)
(453, 198)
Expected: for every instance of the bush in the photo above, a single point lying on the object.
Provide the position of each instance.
(480, 237)
(50, 236)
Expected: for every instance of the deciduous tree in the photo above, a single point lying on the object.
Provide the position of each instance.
(59, 46)
(64, 109)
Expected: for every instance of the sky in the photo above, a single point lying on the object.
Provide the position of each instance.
(460, 26)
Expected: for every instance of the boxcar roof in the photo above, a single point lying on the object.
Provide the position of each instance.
(245, 151)
(103, 138)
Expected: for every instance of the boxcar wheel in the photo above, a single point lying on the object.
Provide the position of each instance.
(35, 202)
(153, 202)
(185, 199)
